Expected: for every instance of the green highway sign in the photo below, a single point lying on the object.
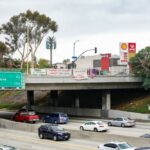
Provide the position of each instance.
(12, 80)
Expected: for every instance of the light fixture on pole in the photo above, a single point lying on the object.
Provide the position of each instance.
(74, 47)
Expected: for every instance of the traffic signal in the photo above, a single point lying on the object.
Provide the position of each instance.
(95, 50)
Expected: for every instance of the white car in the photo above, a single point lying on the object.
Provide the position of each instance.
(94, 126)
(6, 147)
(116, 146)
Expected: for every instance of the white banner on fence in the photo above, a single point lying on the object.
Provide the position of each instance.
(59, 72)
(37, 71)
(80, 74)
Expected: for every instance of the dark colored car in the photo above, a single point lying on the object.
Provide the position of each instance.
(56, 117)
(53, 131)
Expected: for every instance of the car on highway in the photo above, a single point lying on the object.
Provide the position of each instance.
(145, 135)
(53, 131)
(56, 117)
(94, 126)
(24, 115)
(6, 147)
(122, 122)
(116, 145)
(143, 148)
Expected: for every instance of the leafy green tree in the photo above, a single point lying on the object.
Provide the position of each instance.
(140, 65)
(3, 49)
(25, 32)
(43, 63)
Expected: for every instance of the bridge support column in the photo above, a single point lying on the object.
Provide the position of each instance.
(77, 102)
(54, 97)
(106, 103)
(30, 99)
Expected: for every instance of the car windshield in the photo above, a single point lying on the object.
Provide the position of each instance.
(57, 128)
(99, 123)
(127, 119)
(9, 147)
(63, 115)
(124, 145)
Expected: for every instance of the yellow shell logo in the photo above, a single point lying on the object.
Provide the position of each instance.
(124, 46)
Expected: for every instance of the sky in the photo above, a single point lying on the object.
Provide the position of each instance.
(95, 23)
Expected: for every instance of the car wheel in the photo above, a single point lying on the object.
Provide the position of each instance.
(41, 136)
(95, 130)
(109, 124)
(55, 138)
(81, 128)
(122, 125)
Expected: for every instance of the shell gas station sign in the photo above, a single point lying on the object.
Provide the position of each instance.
(124, 46)
(127, 51)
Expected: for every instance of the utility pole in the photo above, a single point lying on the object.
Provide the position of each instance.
(51, 44)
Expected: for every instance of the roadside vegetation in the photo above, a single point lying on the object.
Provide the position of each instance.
(13, 100)
(138, 105)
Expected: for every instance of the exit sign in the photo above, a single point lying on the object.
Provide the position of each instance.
(12, 80)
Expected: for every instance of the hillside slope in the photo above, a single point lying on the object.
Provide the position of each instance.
(141, 105)
(17, 99)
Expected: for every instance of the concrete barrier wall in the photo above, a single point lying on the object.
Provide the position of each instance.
(118, 113)
(18, 125)
(71, 111)
(85, 112)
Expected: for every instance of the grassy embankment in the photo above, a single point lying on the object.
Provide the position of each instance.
(8, 100)
(139, 105)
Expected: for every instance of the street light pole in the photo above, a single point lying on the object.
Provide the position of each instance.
(73, 61)
(74, 57)
(74, 47)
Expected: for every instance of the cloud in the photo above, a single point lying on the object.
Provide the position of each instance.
(90, 21)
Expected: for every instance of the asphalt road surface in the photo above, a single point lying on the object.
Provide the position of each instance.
(74, 124)
(30, 141)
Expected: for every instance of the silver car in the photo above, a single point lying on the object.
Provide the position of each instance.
(6, 147)
(122, 122)
(116, 146)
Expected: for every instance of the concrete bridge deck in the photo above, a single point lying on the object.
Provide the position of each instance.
(69, 83)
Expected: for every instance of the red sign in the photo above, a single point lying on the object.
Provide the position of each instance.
(132, 47)
(106, 55)
(105, 63)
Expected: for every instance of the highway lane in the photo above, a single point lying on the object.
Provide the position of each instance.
(74, 124)
(140, 128)
(30, 141)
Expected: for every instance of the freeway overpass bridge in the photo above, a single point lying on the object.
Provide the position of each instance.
(54, 84)
(103, 83)
(69, 83)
